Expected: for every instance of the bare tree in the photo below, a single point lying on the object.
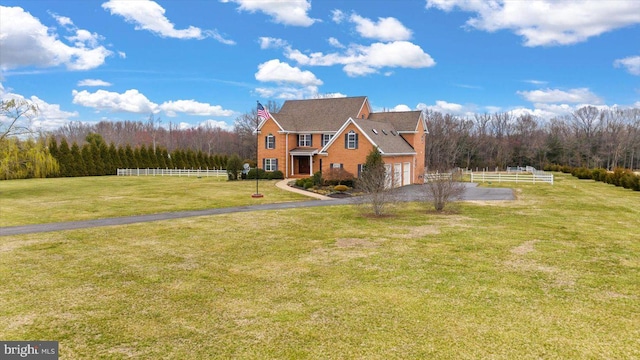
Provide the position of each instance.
(586, 123)
(440, 189)
(15, 117)
(245, 127)
(444, 146)
(373, 180)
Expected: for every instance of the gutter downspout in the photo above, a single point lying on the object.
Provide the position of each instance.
(286, 154)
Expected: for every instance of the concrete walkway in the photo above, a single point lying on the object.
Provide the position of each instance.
(284, 185)
(405, 193)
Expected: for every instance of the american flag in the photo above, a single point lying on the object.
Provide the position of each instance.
(262, 112)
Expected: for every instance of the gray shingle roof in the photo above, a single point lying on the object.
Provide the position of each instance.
(329, 115)
(385, 136)
(402, 120)
(318, 114)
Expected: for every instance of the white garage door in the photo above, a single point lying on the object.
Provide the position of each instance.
(406, 178)
(387, 178)
(397, 174)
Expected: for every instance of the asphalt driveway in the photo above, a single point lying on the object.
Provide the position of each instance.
(406, 193)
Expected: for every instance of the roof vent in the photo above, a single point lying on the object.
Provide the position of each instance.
(393, 133)
(384, 132)
(375, 131)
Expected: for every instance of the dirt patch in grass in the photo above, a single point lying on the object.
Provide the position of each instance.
(12, 245)
(18, 321)
(420, 231)
(490, 202)
(354, 242)
(518, 262)
(525, 248)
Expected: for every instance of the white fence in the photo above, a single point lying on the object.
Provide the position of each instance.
(172, 172)
(437, 176)
(531, 175)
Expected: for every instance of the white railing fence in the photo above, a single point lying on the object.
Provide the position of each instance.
(437, 176)
(172, 172)
(528, 175)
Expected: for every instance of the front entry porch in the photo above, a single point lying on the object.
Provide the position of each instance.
(302, 162)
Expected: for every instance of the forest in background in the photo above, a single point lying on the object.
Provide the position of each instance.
(589, 137)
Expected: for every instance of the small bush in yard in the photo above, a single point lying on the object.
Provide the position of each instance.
(317, 178)
(599, 174)
(252, 174)
(308, 183)
(341, 188)
(581, 173)
(276, 175)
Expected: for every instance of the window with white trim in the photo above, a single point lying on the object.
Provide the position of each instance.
(270, 141)
(351, 141)
(270, 164)
(326, 138)
(304, 140)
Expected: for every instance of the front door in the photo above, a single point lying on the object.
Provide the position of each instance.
(304, 165)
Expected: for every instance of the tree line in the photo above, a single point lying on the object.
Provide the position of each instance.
(96, 158)
(589, 137)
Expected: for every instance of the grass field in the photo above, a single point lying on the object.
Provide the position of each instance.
(554, 275)
(37, 201)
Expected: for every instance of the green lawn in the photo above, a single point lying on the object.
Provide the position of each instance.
(553, 275)
(38, 201)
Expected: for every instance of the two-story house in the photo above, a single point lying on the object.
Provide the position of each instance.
(306, 136)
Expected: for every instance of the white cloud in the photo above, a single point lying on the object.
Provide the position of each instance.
(184, 126)
(48, 116)
(330, 95)
(131, 101)
(400, 107)
(93, 82)
(547, 22)
(536, 82)
(280, 72)
(288, 92)
(386, 29)
(272, 43)
(62, 20)
(289, 12)
(575, 96)
(149, 15)
(335, 43)
(545, 111)
(82, 38)
(445, 107)
(631, 63)
(468, 86)
(192, 107)
(212, 124)
(337, 16)
(359, 60)
(25, 41)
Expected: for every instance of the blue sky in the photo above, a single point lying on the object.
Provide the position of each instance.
(195, 62)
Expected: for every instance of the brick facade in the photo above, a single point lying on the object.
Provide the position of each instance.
(404, 160)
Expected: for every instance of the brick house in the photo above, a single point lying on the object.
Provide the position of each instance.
(307, 136)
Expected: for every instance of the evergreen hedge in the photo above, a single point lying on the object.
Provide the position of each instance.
(619, 177)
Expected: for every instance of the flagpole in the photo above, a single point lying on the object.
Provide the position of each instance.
(257, 194)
